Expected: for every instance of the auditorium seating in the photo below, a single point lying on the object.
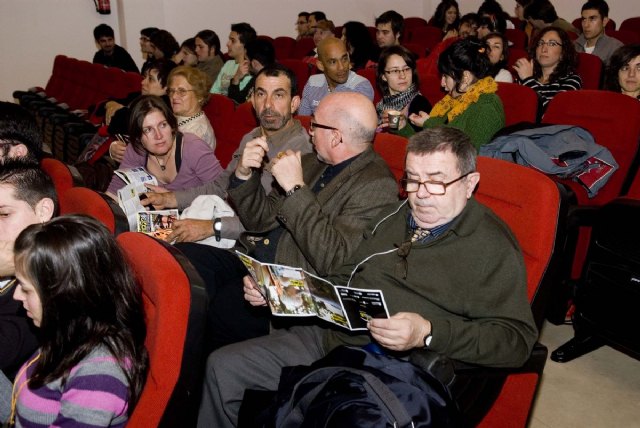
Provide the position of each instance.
(590, 70)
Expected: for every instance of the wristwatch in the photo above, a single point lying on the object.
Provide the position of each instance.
(217, 228)
(293, 190)
(427, 340)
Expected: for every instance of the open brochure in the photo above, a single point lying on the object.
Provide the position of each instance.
(158, 224)
(291, 291)
(129, 196)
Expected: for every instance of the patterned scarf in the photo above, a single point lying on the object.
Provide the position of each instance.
(454, 107)
(397, 101)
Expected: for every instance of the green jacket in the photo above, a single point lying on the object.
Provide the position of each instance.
(480, 121)
(470, 282)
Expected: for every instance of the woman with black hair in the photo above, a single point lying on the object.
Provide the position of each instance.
(498, 51)
(446, 17)
(471, 103)
(552, 67)
(207, 49)
(362, 52)
(397, 79)
(623, 71)
(91, 366)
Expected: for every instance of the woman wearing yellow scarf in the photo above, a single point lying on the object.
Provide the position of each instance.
(471, 103)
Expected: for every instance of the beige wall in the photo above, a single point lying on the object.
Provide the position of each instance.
(34, 31)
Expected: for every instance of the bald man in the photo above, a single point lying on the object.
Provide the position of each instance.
(324, 201)
(333, 61)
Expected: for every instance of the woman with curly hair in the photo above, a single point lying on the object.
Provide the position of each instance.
(91, 366)
(623, 71)
(552, 67)
(446, 17)
(471, 103)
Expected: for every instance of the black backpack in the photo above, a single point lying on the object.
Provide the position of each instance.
(351, 387)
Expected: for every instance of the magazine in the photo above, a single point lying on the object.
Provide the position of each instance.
(158, 224)
(291, 291)
(129, 196)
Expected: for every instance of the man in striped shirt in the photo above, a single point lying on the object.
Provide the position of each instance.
(333, 61)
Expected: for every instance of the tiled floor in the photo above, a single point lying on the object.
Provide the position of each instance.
(600, 389)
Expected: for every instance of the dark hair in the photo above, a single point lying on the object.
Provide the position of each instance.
(469, 18)
(358, 38)
(319, 16)
(541, 10)
(493, 22)
(305, 14)
(262, 51)
(621, 57)
(568, 62)
(246, 33)
(277, 70)
(408, 57)
(468, 54)
(164, 40)
(439, 17)
(30, 183)
(600, 5)
(497, 16)
(393, 17)
(163, 66)
(189, 44)
(148, 32)
(18, 126)
(445, 138)
(505, 51)
(210, 38)
(89, 298)
(140, 108)
(102, 30)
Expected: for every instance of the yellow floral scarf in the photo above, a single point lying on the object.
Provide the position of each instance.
(454, 107)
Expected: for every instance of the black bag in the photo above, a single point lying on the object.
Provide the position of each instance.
(351, 387)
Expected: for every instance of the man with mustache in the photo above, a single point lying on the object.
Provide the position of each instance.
(336, 76)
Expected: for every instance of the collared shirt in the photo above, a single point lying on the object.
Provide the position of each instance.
(317, 88)
(433, 233)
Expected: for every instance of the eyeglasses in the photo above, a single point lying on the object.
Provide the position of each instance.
(550, 43)
(314, 125)
(180, 92)
(398, 71)
(437, 188)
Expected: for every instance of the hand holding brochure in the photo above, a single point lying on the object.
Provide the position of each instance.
(129, 195)
(293, 291)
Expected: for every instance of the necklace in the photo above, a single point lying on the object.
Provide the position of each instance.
(163, 166)
(189, 119)
(14, 393)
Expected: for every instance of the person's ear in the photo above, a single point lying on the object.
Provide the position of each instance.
(44, 209)
(295, 103)
(605, 21)
(18, 151)
(471, 182)
(320, 65)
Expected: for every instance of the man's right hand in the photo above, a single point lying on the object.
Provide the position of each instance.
(159, 197)
(243, 70)
(252, 293)
(252, 157)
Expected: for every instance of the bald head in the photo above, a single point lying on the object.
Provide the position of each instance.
(333, 61)
(330, 44)
(353, 114)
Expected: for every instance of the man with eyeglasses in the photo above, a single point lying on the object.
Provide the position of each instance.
(336, 76)
(451, 272)
(593, 40)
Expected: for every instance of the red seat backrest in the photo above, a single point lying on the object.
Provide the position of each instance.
(517, 37)
(300, 69)
(429, 37)
(370, 75)
(590, 70)
(625, 36)
(284, 47)
(392, 149)
(166, 297)
(631, 24)
(303, 47)
(412, 22)
(430, 87)
(614, 121)
(55, 80)
(220, 110)
(520, 103)
(82, 200)
(59, 173)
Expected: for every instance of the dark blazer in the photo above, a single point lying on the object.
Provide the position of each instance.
(321, 230)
